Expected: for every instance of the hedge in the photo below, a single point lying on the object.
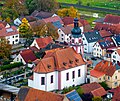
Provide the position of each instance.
(10, 66)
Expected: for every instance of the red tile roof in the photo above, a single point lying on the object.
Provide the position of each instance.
(113, 19)
(33, 48)
(103, 67)
(105, 33)
(31, 94)
(43, 42)
(53, 19)
(94, 88)
(59, 59)
(28, 55)
(8, 31)
(67, 29)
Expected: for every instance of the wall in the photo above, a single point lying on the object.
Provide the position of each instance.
(35, 44)
(19, 58)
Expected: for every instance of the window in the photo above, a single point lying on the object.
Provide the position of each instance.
(73, 74)
(115, 77)
(16, 40)
(114, 56)
(13, 36)
(72, 40)
(17, 59)
(67, 76)
(51, 78)
(108, 78)
(16, 36)
(83, 39)
(42, 80)
(62, 38)
(61, 34)
(78, 72)
(13, 42)
(115, 83)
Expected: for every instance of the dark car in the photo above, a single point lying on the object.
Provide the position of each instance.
(93, 58)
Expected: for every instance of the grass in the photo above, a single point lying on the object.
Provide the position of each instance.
(96, 3)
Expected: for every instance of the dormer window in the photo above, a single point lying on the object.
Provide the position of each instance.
(64, 63)
(77, 60)
(70, 61)
(49, 66)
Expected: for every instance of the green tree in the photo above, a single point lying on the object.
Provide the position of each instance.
(97, 98)
(5, 48)
(104, 85)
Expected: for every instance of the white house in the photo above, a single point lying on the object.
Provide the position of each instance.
(58, 69)
(41, 42)
(25, 56)
(101, 47)
(64, 34)
(11, 34)
(89, 39)
(115, 56)
(17, 22)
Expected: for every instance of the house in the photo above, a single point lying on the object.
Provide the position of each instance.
(58, 69)
(116, 39)
(11, 34)
(17, 22)
(112, 19)
(89, 39)
(25, 56)
(84, 25)
(53, 19)
(115, 56)
(93, 90)
(100, 48)
(41, 42)
(31, 94)
(106, 71)
(4, 24)
(42, 14)
(115, 95)
(64, 34)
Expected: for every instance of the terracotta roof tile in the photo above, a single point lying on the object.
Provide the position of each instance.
(92, 87)
(53, 19)
(114, 19)
(105, 33)
(43, 42)
(103, 67)
(28, 55)
(66, 29)
(59, 59)
(31, 94)
(33, 48)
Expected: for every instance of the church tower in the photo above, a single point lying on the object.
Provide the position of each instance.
(76, 37)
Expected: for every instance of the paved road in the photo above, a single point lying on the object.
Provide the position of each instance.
(92, 8)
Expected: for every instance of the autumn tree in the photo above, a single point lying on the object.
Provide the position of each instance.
(97, 98)
(70, 12)
(49, 30)
(42, 5)
(5, 48)
(13, 9)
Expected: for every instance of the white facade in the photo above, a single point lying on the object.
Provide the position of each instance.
(59, 79)
(115, 57)
(88, 47)
(97, 50)
(17, 22)
(63, 37)
(35, 44)
(19, 58)
(13, 39)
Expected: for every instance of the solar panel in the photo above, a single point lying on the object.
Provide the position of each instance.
(73, 96)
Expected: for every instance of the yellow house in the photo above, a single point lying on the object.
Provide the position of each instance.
(106, 71)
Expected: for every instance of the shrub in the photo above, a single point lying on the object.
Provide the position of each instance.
(104, 85)
(10, 66)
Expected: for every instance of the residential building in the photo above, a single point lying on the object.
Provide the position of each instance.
(11, 34)
(25, 56)
(106, 71)
(93, 90)
(89, 39)
(100, 48)
(111, 19)
(64, 34)
(115, 56)
(41, 42)
(58, 69)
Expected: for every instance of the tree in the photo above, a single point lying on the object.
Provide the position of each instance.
(49, 30)
(71, 12)
(80, 91)
(97, 98)
(104, 85)
(42, 5)
(5, 48)
(13, 9)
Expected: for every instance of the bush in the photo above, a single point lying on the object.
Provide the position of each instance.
(97, 99)
(66, 90)
(104, 85)
(10, 66)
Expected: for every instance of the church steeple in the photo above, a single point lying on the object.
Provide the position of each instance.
(76, 31)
